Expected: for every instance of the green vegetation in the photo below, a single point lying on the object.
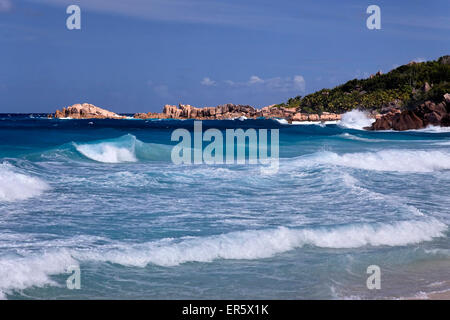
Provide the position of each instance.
(403, 86)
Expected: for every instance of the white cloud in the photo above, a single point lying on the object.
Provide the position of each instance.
(285, 84)
(5, 5)
(208, 82)
(161, 90)
(419, 60)
(255, 79)
(299, 83)
(190, 11)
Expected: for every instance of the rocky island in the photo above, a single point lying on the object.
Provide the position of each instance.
(85, 111)
(412, 96)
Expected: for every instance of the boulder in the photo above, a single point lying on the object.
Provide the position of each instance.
(86, 111)
(428, 113)
(326, 116)
(395, 104)
(406, 120)
(445, 121)
(447, 98)
(300, 117)
(170, 111)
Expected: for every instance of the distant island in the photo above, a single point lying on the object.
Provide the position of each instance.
(411, 96)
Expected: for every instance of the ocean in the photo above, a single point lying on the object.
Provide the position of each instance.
(103, 197)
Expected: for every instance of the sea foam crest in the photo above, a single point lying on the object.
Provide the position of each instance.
(20, 272)
(17, 273)
(110, 151)
(395, 160)
(126, 148)
(257, 244)
(18, 186)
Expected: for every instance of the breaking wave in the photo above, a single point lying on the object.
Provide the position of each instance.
(18, 186)
(35, 270)
(18, 273)
(123, 149)
(385, 160)
(258, 244)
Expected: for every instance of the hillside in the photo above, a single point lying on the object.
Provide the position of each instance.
(406, 86)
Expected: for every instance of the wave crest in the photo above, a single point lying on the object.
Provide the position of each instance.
(110, 151)
(18, 273)
(126, 148)
(17, 186)
(35, 270)
(395, 160)
(257, 244)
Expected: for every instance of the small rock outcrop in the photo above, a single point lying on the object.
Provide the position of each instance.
(85, 111)
(428, 113)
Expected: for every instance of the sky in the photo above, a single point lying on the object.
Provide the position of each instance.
(138, 55)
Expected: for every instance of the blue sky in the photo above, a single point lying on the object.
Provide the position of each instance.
(137, 55)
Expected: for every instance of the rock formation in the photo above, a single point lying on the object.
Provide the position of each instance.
(185, 111)
(86, 111)
(232, 111)
(428, 113)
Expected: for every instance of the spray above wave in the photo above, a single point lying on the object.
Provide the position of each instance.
(384, 160)
(126, 148)
(356, 119)
(18, 186)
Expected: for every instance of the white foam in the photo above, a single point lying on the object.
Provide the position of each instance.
(356, 138)
(433, 129)
(320, 123)
(18, 273)
(257, 244)
(121, 150)
(17, 186)
(281, 121)
(443, 143)
(395, 160)
(356, 119)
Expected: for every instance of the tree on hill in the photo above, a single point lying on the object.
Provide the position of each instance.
(406, 86)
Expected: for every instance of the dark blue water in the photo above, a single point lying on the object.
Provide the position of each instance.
(104, 196)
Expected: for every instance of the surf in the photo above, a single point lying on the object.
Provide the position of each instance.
(15, 185)
(126, 148)
(393, 160)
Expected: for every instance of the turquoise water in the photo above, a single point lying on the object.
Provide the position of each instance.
(103, 195)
